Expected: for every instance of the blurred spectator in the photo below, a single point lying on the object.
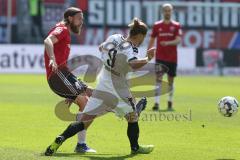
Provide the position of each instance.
(36, 11)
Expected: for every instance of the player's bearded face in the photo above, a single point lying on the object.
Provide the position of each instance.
(75, 28)
(76, 24)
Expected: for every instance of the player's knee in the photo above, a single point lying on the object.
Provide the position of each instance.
(171, 78)
(81, 101)
(158, 79)
(86, 119)
(132, 117)
(170, 83)
(89, 91)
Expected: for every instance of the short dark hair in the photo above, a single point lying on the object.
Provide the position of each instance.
(71, 11)
(137, 27)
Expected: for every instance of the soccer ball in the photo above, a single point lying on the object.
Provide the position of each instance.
(228, 106)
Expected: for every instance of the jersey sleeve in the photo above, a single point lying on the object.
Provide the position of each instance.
(178, 31)
(107, 44)
(154, 31)
(131, 53)
(59, 32)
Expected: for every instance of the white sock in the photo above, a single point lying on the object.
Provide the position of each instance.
(158, 92)
(170, 96)
(82, 136)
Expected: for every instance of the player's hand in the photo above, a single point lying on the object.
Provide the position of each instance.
(53, 64)
(164, 43)
(89, 91)
(100, 48)
(150, 53)
(68, 101)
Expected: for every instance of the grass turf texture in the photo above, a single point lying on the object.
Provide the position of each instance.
(28, 124)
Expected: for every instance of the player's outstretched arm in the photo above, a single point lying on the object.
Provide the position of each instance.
(138, 63)
(151, 42)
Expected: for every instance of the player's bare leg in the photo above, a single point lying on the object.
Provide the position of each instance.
(81, 101)
(171, 91)
(82, 146)
(159, 77)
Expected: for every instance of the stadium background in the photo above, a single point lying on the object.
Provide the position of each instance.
(210, 42)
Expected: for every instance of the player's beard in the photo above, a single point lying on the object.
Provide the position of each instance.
(75, 28)
(167, 17)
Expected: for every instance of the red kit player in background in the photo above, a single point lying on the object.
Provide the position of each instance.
(167, 32)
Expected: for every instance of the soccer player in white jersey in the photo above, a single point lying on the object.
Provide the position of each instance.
(112, 92)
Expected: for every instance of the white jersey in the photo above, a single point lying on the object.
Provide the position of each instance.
(112, 82)
(116, 54)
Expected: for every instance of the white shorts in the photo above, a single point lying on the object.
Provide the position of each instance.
(112, 94)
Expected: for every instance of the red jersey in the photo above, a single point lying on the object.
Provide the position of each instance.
(61, 48)
(166, 32)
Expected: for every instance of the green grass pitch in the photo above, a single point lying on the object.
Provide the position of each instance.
(28, 123)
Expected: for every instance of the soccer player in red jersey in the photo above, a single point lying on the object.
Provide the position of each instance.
(168, 35)
(60, 79)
